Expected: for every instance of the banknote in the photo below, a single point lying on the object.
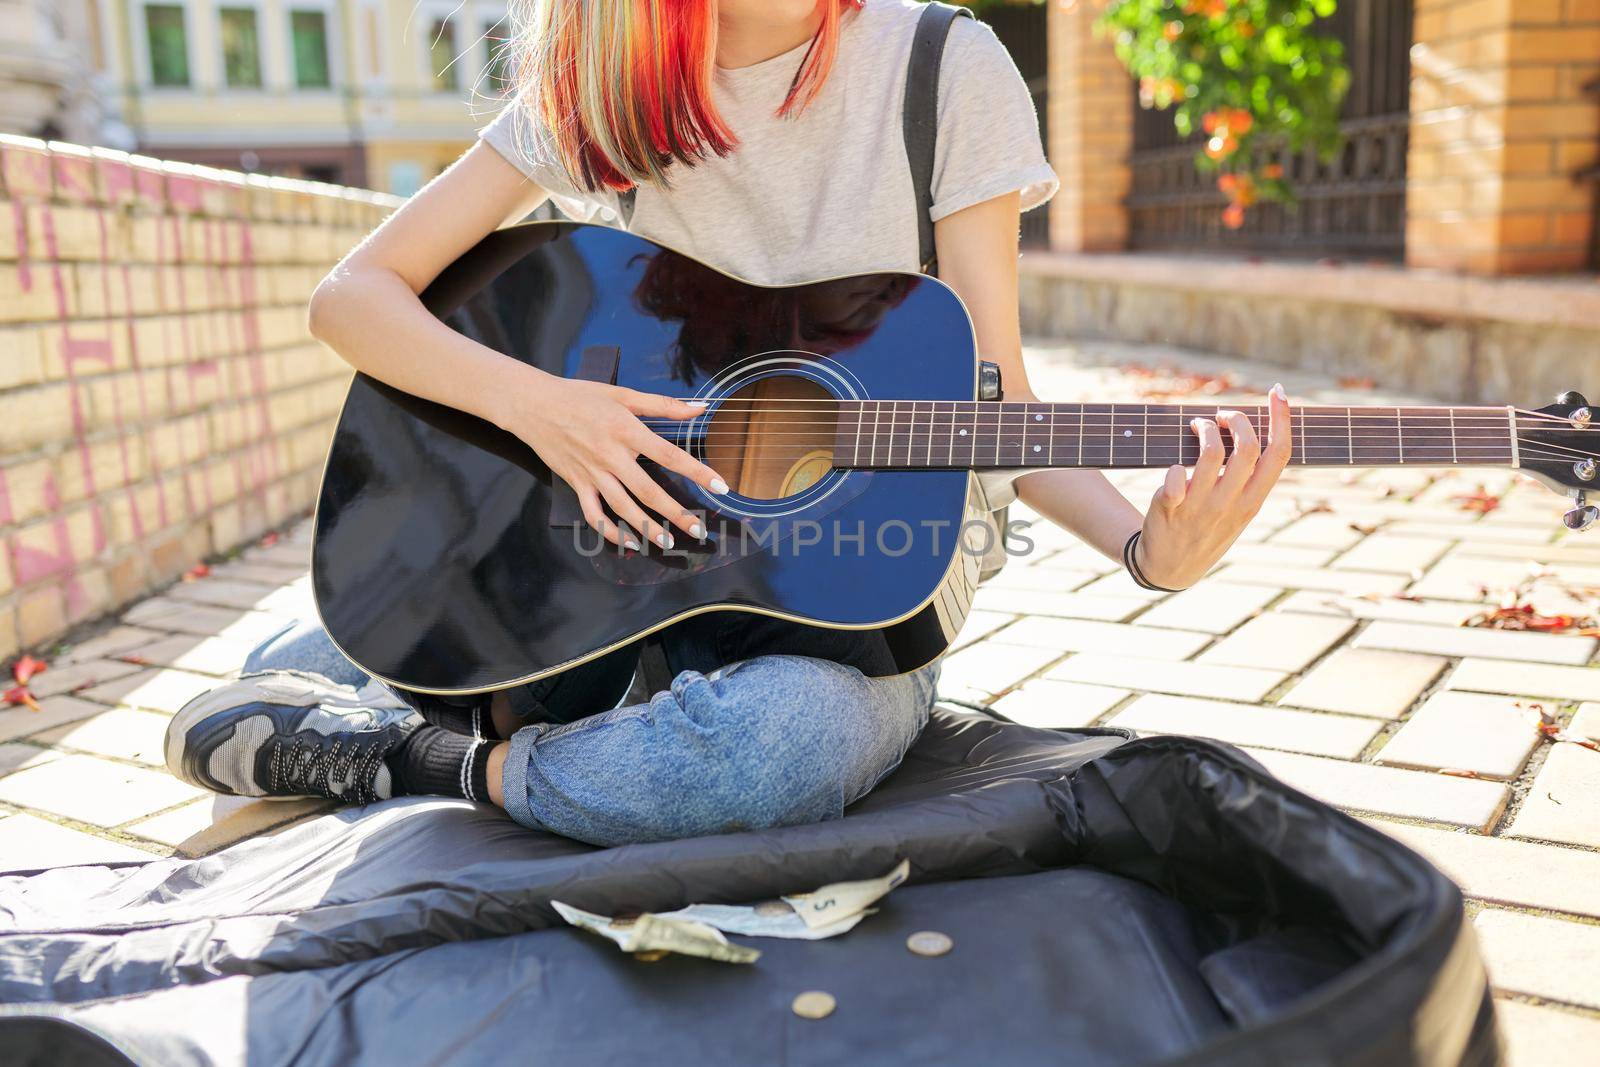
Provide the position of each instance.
(659, 933)
(833, 903)
(762, 920)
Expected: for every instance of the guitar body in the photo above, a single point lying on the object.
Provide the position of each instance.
(448, 560)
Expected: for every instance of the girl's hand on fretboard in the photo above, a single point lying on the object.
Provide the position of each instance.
(1197, 515)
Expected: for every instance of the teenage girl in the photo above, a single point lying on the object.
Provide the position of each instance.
(763, 137)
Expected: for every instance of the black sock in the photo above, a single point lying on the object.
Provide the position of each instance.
(435, 762)
(471, 721)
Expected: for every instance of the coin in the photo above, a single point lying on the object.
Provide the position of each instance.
(929, 943)
(814, 1004)
(769, 909)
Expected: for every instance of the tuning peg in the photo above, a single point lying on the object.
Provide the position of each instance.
(1584, 515)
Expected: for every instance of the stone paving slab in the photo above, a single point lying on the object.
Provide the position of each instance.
(1490, 735)
(15, 757)
(122, 733)
(1539, 1036)
(1072, 635)
(76, 677)
(1057, 705)
(1432, 612)
(1541, 956)
(1464, 641)
(1501, 871)
(1196, 679)
(1366, 681)
(1279, 641)
(200, 655)
(153, 688)
(1249, 724)
(1526, 679)
(1210, 606)
(1364, 787)
(1385, 565)
(29, 843)
(93, 790)
(21, 721)
(1563, 803)
(1064, 605)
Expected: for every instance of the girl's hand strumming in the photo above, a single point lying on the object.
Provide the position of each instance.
(591, 437)
(1197, 515)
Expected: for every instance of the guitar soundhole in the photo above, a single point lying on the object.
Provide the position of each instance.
(773, 438)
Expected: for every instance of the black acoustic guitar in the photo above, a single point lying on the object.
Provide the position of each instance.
(847, 415)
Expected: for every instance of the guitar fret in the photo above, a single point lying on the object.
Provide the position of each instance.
(1109, 436)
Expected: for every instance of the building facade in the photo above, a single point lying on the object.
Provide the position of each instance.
(375, 93)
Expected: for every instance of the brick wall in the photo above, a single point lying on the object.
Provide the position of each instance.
(1091, 132)
(1499, 124)
(160, 398)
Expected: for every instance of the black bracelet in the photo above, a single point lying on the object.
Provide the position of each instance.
(1131, 563)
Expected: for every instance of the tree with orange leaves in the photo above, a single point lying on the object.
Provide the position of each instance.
(1255, 76)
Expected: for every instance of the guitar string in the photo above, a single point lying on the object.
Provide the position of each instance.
(1499, 459)
(1061, 419)
(1365, 410)
(990, 435)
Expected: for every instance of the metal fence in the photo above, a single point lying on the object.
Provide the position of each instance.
(1352, 205)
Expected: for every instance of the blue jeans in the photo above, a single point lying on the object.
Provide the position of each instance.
(771, 740)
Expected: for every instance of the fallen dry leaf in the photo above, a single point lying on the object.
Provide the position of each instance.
(1457, 772)
(26, 667)
(1480, 500)
(18, 694)
(1524, 617)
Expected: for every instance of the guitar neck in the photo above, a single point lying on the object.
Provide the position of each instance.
(986, 435)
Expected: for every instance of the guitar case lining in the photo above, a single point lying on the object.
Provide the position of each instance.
(1113, 902)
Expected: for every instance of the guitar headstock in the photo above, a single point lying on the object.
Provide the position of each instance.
(1560, 445)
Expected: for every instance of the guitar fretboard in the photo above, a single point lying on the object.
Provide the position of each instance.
(981, 435)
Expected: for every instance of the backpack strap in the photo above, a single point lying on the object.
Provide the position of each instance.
(920, 116)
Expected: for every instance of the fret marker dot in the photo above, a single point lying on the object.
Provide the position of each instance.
(963, 433)
(1038, 418)
(1036, 448)
(1127, 433)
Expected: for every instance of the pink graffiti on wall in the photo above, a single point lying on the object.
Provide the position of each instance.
(86, 349)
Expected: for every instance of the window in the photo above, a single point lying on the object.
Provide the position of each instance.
(496, 59)
(241, 48)
(308, 32)
(169, 44)
(405, 177)
(442, 55)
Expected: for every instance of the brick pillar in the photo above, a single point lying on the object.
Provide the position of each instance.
(1091, 132)
(1499, 124)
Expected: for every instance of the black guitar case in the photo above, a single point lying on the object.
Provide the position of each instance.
(1113, 903)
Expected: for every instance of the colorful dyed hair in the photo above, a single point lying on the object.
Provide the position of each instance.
(624, 86)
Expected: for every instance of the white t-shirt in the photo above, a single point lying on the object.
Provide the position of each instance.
(829, 192)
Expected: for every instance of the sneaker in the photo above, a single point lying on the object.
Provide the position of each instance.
(290, 734)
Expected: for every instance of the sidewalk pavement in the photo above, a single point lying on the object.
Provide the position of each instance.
(1330, 644)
